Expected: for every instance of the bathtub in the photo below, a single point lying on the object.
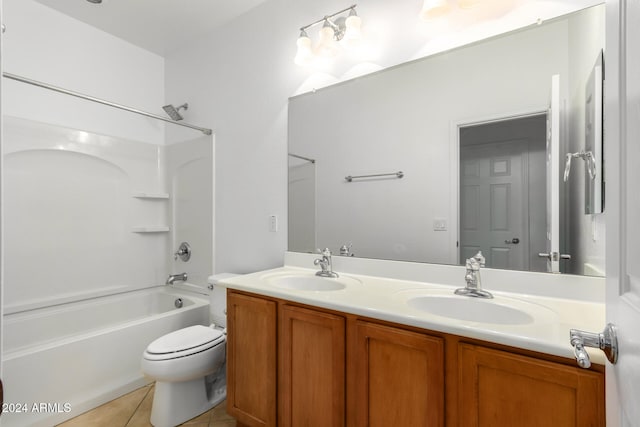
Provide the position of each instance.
(60, 361)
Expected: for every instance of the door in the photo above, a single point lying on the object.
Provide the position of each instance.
(553, 179)
(494, 195)
(622, 148)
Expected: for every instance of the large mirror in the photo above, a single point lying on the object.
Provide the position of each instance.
(432, 160)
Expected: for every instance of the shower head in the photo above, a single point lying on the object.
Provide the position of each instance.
(174, 112)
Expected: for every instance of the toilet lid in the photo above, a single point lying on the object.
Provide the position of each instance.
(185, 339)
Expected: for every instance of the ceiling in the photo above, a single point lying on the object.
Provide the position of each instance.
(159, 26)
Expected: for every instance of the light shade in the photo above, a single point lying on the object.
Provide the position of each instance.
(304, 54)
(352, 32)
(432, 9)
(327, 45)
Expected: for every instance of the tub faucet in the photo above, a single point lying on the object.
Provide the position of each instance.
(472, 277)
(326, 270)
(176, 277)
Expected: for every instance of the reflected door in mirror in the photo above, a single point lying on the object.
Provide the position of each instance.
(493, 202)
(502, 192)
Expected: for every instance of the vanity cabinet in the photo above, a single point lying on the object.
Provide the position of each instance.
(498, 388)
(339, 369)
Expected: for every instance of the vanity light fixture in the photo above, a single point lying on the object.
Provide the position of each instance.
(333, 33)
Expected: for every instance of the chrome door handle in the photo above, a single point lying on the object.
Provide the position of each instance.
(554, 256)
(606, 341)
(513, 241)
(546, 255)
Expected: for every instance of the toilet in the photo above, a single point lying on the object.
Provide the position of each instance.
(188, 366)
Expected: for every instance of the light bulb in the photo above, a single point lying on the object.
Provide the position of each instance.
(304, 55)
(433, 9)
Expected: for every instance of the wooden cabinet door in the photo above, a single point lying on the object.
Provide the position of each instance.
(312, 368)
(251, 360)
(399, 377)
(497, 388)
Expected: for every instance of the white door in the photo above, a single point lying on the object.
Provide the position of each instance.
(493, 204)
(553, 178)
(622, 209)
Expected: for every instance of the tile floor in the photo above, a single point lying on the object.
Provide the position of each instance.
(134, 409)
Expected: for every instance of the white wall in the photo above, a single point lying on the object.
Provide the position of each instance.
(240, 76)
(43, 44)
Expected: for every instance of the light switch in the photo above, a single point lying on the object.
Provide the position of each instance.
(273, 223)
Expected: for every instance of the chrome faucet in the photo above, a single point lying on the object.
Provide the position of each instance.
(182, 277)
(346, 250)
(326, 270)
(472, 277)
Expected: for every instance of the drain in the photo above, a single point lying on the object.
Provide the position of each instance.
(178, 303)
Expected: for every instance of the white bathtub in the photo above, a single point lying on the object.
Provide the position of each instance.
(60, 361)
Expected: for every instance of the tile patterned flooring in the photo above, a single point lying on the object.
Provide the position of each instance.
(134, 410)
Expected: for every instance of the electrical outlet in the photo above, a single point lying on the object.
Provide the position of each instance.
(439, 224)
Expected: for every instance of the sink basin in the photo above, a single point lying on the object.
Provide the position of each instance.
(500, 310)
(310, 282)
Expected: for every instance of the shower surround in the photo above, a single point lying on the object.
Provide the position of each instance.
(89, 216)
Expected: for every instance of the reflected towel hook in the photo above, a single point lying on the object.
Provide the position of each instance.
(588, 157)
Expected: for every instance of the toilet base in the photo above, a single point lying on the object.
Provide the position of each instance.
(177, 402)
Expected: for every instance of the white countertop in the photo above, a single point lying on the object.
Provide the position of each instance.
(386, 299)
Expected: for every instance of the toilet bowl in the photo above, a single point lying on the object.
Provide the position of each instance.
(188, 366)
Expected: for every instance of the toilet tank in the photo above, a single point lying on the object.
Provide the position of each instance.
(218, 299)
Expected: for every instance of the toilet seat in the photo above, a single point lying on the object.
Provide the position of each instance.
(184, 342)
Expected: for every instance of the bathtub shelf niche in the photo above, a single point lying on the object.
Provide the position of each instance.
(150, 229)
(152, 197)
